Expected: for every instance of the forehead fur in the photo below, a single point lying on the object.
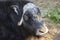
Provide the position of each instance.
(28, 6)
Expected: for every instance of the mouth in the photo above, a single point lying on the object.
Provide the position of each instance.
(42, 31)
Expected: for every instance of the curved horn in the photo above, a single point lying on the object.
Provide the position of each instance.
(15, 7)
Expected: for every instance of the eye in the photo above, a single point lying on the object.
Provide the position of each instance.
(25, 17)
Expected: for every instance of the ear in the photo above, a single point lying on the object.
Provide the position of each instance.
(38, 10)
(25, 17)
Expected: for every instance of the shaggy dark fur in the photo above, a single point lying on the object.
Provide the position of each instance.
(9, 30)
(8, 21)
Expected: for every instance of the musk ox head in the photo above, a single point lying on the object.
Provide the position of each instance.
(31, 19)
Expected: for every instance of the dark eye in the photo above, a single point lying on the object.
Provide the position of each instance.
(25, 17)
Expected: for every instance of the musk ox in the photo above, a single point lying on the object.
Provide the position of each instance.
(20, 19)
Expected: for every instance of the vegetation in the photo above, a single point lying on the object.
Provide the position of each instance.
(54, 13)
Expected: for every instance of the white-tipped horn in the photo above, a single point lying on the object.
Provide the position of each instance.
(15, 7)
(20, 23)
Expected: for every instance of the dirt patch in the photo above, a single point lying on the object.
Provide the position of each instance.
(57, 37)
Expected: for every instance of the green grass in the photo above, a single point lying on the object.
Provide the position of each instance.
(54, 13)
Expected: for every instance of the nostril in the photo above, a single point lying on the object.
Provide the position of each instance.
(41, 31)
